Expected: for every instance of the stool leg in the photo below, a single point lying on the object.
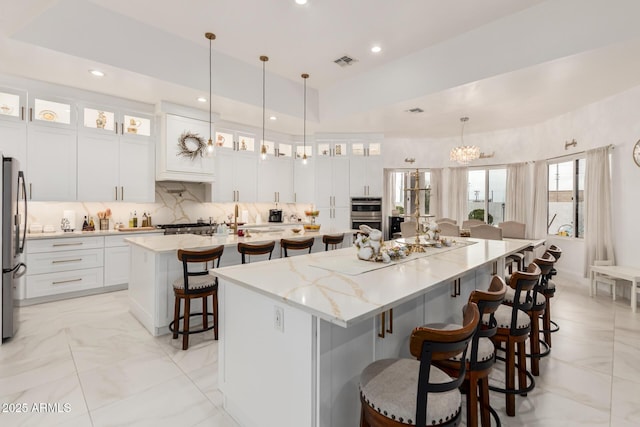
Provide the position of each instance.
(510, 379)
(483, 391)
(215, 316)
(205, 317)
(185, 333)
(176, 318)
(472, 400)
(546, 323)
(522, 366)
(534, 340)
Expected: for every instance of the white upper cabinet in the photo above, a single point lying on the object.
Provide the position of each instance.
(51, 172)
(13, 124)
(275, 173)
(115, 156)
(236, 178)
(365, 171)
(52, 111)
(182, 154)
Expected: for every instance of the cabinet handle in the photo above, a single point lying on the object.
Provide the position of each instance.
(116, 188)
(122, 193)
(390, 328)
(22, 113)
(61, 261)
(67, 244)
(60, 282)
(295, 197)
(30, 114)
(382, 325)
(121, 129)
(30, 191)
(115, 128)
(455, 290)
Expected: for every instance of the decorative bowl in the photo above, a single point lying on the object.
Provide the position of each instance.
(312, 227)
(296, 230)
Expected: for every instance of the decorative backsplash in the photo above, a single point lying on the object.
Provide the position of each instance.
(176, 202)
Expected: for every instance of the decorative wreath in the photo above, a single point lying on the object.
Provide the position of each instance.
(191, 145)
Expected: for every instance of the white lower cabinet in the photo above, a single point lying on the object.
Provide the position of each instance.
(58, 266)
(116, 260)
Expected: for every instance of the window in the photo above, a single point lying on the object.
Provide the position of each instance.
(400, 180)
(566, 198)
(487, 189)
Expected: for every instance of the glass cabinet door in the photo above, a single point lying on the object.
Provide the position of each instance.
(135, 125)
(11, 104)
(285, 150)
(100, 119)
(336, 149)
(270, 147)
(302, 149)
(50, 111)
(245, 143)
(224, 140)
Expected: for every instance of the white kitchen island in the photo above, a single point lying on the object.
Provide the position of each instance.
(154, 266)
(295, 333)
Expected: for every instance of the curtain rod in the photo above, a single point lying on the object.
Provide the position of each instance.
(611, 146)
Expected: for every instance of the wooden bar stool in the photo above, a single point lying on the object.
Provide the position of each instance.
(332, 239)
(291, 244)
(480, 356)
(255, 249)
(514, 326)
(196, 284)
(548, 325)
(401, 392)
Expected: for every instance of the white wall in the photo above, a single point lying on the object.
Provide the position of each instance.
(614, 120)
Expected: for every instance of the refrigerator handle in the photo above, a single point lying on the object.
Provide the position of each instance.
(24, 191)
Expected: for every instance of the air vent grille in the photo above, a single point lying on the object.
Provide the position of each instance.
(345, 60)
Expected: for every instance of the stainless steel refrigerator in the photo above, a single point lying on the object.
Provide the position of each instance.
(14, 229)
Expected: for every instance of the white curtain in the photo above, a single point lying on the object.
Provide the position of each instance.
(538, 228)
(516, 200)
(598, 239)
(435, 196)
(458, 184)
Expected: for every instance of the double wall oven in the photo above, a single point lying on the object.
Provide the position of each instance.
(366, 211)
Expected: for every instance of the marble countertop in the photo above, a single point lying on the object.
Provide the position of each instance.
(174, 242)
(345, 299)
(111, 232)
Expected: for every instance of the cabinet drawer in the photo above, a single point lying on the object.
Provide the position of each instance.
(42, 285)
(64, 244)
(51, 262)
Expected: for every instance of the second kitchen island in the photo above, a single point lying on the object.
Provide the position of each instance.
(295, 333)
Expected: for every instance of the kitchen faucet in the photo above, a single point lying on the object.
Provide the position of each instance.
(235, 220)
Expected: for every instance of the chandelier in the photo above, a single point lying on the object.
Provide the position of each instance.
(464, 154)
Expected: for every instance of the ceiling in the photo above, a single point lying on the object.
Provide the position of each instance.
(503, 63)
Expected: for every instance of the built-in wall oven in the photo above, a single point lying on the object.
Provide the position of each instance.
(367, 211)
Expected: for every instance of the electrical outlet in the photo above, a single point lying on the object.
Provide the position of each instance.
(278, 318)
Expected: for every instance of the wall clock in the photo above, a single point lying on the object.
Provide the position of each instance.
(636, 153)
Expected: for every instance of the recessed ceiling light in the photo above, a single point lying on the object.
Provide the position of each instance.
(273, 118)
(376, 49)
(301, 1)
(414, 110)
(202, 99)
(97, 73)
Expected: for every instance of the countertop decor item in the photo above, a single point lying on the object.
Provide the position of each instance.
(191, 145)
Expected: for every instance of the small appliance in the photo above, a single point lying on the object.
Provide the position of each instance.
(275, 215)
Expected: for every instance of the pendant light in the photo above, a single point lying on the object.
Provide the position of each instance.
(464, 154)
(210, 146)
(305, 76)
(263, 148)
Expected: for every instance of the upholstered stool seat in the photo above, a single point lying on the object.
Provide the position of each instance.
(196, 282)
(389, 386)
(401, 392)
(504, 315)
(538, 304)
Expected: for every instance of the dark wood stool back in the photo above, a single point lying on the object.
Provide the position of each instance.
(291, 244)
(333, 240)
(255, 249)
(196, 283)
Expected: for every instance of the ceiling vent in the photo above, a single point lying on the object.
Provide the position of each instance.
(345, 60)
(415, 110)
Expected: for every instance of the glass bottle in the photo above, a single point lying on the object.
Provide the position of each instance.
(135, 219)
(92, 225)
(85, 223)
(130, 219)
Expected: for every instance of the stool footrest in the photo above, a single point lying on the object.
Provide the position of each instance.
(552, 330)
(197, 331)
(521, 391)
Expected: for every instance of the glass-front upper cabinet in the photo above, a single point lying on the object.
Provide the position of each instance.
(366, 148)
(52, 111)
(301, 149)
(332, 148)
(108, 120)
(12, 104)
(236, 141)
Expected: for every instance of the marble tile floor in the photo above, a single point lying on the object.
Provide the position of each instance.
(98, 366)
